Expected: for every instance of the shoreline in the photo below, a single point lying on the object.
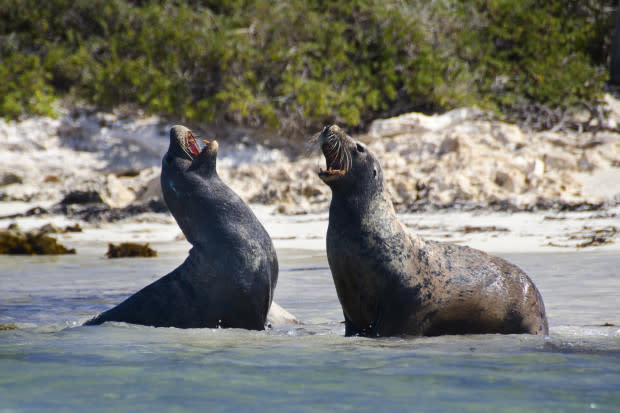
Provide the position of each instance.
(492, 232)
(456, 177)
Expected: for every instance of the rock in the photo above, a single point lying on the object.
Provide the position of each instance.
(559, 160)
(10, 178)
(278, 316)
(418, 123)
(81, 197)
(511, 181)
(613, 106)
(455, 159)
(449, 144)
(51, 179)
(535, 169)
(114, 193)
(586, 163)
(509, 135)
(51, 228)
(152, 190)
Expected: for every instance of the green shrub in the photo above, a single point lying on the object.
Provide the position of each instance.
(296, 65)
(529, 51)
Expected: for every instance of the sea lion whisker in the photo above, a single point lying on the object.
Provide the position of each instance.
(346, 157)
(187, 152)
(349, 161)
(342, 157)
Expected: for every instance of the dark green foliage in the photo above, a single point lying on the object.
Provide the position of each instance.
(530, 51)
(298, 64)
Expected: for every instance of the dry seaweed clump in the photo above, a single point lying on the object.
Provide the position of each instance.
(130, 249)
(589, 237)
(14, 241)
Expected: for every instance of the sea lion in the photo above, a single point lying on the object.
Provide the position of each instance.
(391, 282)
(230, 275)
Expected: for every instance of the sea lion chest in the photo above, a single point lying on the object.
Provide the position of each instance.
(374, 272)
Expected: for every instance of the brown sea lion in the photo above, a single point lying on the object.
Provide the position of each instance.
(391, 282)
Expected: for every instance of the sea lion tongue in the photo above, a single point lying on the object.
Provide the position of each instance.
(193, 144)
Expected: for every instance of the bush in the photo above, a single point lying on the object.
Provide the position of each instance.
(299, 64)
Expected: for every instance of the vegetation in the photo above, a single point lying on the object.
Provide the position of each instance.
(298, 64)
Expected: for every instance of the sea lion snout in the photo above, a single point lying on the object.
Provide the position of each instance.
(334, 130)
(333, 143)
(184, 143)
(331, 133)
(211, 147)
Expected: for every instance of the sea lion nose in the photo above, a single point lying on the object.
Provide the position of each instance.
(334, 129)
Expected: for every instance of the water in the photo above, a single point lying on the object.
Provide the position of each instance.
(53, 363)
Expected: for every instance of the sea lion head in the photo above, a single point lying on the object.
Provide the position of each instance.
(187, 173)
(184, 146)
(350, 165)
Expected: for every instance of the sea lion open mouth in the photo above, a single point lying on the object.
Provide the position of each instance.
(192, 144)
(196, 148)
(335, 152)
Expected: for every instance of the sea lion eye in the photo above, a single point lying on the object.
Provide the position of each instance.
(374, 171)
(360, 148)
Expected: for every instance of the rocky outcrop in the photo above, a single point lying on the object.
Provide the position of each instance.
(458, 159)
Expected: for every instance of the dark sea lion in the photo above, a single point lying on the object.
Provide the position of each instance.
(230, 275)
(391, 282)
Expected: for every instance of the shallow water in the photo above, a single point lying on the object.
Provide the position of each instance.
(52, 362)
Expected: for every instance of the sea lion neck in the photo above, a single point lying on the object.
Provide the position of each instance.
(361, 210)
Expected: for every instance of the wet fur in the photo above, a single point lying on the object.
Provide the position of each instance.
(391, 282)
(231, 272)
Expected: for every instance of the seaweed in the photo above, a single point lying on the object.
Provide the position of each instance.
(15, 242)
(588, 237)
(130, 249)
